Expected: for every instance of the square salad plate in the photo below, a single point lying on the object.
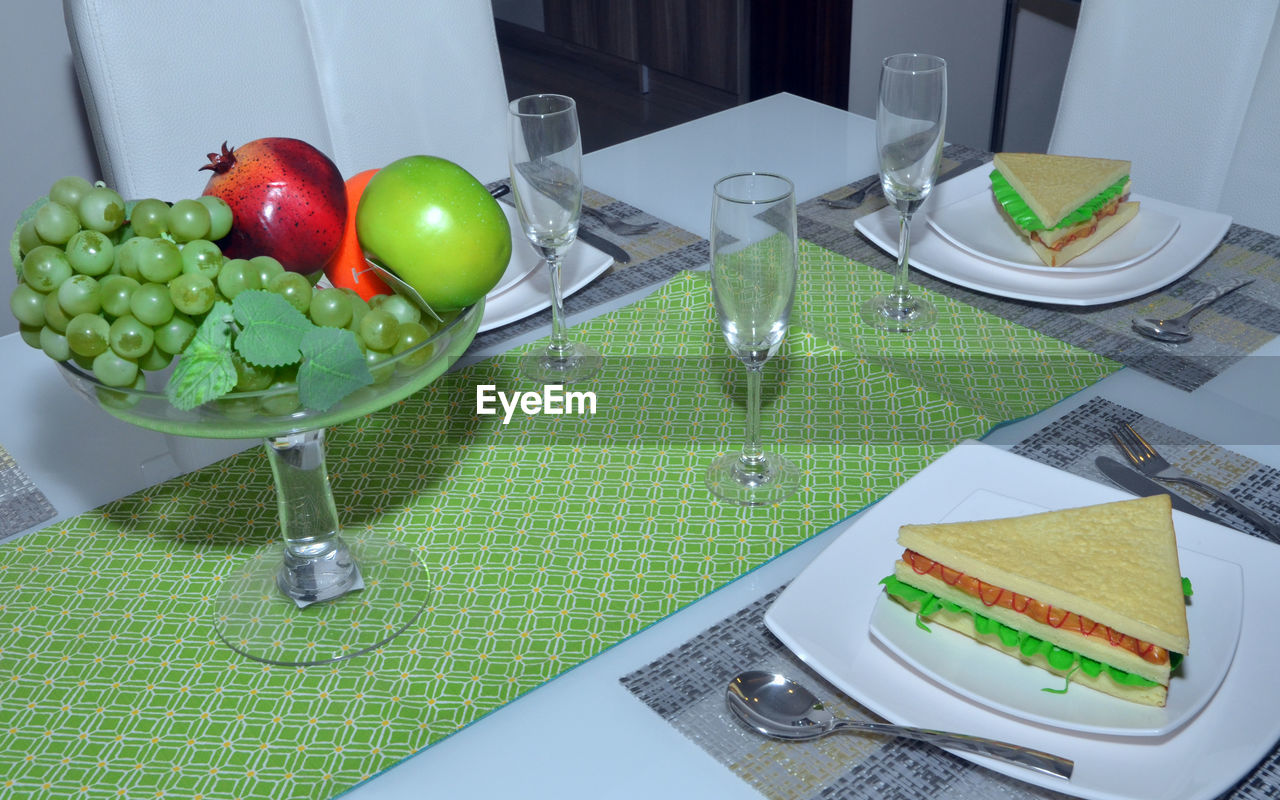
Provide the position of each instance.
(1196, 749)
(1196, 235)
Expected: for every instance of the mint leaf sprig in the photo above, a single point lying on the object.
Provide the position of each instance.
(265, 330)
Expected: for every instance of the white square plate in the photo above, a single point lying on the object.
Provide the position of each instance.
(525, 287)
(824, 614)
(1199, 232)
(987, 676)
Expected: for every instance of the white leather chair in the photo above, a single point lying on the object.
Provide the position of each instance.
(365, 82)
(1189, 91)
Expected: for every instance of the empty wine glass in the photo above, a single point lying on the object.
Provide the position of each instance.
(753, 280)
(545, 153)
(910, 119)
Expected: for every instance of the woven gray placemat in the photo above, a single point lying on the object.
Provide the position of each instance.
(686, 686)
(22, 504)
(1235, 326)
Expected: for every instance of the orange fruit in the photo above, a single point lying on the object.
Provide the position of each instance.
(348, 269)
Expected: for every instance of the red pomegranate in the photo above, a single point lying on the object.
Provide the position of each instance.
(288, 199)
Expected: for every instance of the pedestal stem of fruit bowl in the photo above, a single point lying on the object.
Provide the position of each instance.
(317, 564)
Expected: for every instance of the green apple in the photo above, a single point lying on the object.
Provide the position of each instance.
(433, 224)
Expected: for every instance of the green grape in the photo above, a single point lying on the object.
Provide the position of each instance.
(45, 268)
(151, 304)
(188, 220)
(251, 377)
(150, 217)
(83, 362)
(192, 293)
(69, 190)
(283, 401)
(129, 257)
(155, 360)
(54, 316)
(378, 366)
(260, 271)
(120, 398)
(28, 238)
(54, 344)
(202, 256)
(79, 295)
(159, 260)
(56, 223)
(401, 308)
(114, 291)
(379, 330)
(231, 277)
(413, 334)
(377, 300)
(174, 335)
(101, 209)
(330, 308)
(358, 309)
(292, 287)
(87, 335)
(91, 253)
(30, 334)
(220, 216)
(113, 370)
(27, 305)
(129, 338)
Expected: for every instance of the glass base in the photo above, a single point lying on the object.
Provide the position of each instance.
(257, 620)
(578, 363)
(730, 478)
(898, 313)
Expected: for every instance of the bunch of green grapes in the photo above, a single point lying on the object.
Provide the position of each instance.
(121, 291)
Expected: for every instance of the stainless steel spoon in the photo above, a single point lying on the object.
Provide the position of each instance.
(780, 708)
(1178, 329)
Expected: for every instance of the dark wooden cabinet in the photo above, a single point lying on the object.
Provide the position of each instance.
(746, 48)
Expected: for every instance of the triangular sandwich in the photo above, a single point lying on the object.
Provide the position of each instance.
(1093, 593)
(1063, 205)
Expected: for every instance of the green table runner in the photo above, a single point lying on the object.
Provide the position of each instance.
(546, 539)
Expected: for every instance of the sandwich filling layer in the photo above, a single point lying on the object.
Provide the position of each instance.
(1025, 218)
(1059, 660)
(991, 595)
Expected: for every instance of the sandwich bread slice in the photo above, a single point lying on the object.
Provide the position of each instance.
(1063, 205)
(1094, 594)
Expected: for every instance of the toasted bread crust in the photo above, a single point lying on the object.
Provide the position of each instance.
(1115, 563)
(1054, 186)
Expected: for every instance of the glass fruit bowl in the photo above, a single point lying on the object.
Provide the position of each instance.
(314, 597)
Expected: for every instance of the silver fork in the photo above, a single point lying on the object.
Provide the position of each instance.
(1150, 463)
(619, 226)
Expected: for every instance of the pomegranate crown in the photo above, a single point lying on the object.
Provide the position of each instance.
(221, 162)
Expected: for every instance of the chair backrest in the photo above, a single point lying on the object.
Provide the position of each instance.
(365, 82)
(1178, 87)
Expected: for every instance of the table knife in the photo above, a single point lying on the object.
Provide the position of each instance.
(1133, 481)
(604, 245)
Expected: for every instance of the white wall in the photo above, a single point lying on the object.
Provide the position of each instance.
(967, 33)
(964, 32)
(43, 128)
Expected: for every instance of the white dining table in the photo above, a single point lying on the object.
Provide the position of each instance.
(583, 735)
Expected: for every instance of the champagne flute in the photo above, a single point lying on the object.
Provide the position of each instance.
(910, 120)
(545, 153)
(753, 281)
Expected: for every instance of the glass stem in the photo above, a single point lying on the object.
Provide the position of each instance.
(752, 450)
(904, 253)
(560, 344)
(317, 564)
